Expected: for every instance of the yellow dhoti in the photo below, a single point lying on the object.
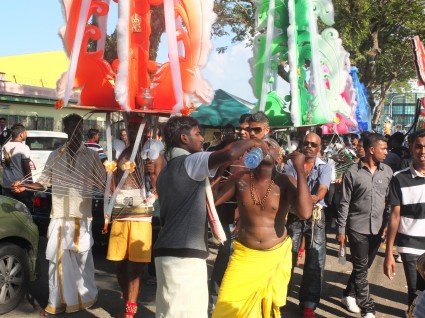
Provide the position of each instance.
(255, 283)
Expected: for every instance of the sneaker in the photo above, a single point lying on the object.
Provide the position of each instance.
(308, 313)
(369, 315)
(398, 259)
(351, 304)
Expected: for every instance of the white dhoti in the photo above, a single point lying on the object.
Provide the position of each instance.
(182, 287)
(72, 285)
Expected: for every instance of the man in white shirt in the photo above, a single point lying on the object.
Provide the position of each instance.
(15, 159)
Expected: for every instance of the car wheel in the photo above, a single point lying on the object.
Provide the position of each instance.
(14, 276)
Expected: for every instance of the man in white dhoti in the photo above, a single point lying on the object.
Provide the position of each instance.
(74, 172)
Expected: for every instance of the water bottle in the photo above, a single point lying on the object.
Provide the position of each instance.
(253, 158)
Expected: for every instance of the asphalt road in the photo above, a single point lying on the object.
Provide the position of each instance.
(389, 296)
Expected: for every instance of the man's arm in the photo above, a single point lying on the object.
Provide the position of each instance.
(299, 197)
(233, 151)
(27, 170)
(321, 192)
(18, 187)
(389, 263)
(342, 214)
(226, 189)
(154, 168)
(325, 178)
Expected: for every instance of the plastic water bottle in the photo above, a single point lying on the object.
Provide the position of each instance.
(253, 158)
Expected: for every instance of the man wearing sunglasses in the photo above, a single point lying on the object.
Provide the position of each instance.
(243, 126)
(258, 125)
(319, 175)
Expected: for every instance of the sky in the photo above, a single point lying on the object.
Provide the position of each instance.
(31, 26)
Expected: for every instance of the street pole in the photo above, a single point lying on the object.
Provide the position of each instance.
(391, 104)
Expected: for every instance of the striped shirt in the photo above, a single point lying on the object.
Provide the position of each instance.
(96, 147)
(407, 190)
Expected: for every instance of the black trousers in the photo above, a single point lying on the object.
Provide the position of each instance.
(220, 265)
(364, 248)
(413, 278)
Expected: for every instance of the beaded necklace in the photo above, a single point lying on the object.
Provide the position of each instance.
(255, 198)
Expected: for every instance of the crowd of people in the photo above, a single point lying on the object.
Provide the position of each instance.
(370, 188)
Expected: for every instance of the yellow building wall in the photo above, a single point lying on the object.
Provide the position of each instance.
(38, 69)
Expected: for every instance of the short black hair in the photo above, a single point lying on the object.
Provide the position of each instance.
(71, 118)
(354, 136)
(227, 128)
(417, 134)
(259, 117)
(17, 129)
(372, 140)
(174, 128)
(244, 118)
(397, 137)
(3, 118)
(92, 132)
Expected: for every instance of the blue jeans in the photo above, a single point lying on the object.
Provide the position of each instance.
(315, 256)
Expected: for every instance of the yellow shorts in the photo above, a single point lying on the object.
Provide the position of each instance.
(130, 240)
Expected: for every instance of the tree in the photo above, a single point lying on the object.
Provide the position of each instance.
(377, 35)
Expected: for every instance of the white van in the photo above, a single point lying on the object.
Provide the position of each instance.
(41, 144)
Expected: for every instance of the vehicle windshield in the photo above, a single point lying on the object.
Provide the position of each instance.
(44, 143)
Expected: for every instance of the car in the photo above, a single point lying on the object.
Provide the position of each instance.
(41, 144)
(18, 252)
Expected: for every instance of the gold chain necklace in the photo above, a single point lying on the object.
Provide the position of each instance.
(254, 195)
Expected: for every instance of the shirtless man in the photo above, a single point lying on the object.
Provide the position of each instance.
(260, 267)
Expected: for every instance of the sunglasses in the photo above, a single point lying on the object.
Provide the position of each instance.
(256, 130)
(308, 143)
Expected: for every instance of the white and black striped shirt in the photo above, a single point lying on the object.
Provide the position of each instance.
(407, 189)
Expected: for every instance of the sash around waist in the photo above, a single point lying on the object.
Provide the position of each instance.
(132, 211)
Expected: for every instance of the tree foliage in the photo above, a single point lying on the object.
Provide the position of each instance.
(377, 35)
(235, 19)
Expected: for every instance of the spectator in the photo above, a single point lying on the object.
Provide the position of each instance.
(120, 144)
(243, 126)
(153, 155)
(226, 214)
(15, 159)
(93, 143)
(354, 141)
(407, 218)
(73, 171)
(361, 210)
(319, 175)
(5, 133)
